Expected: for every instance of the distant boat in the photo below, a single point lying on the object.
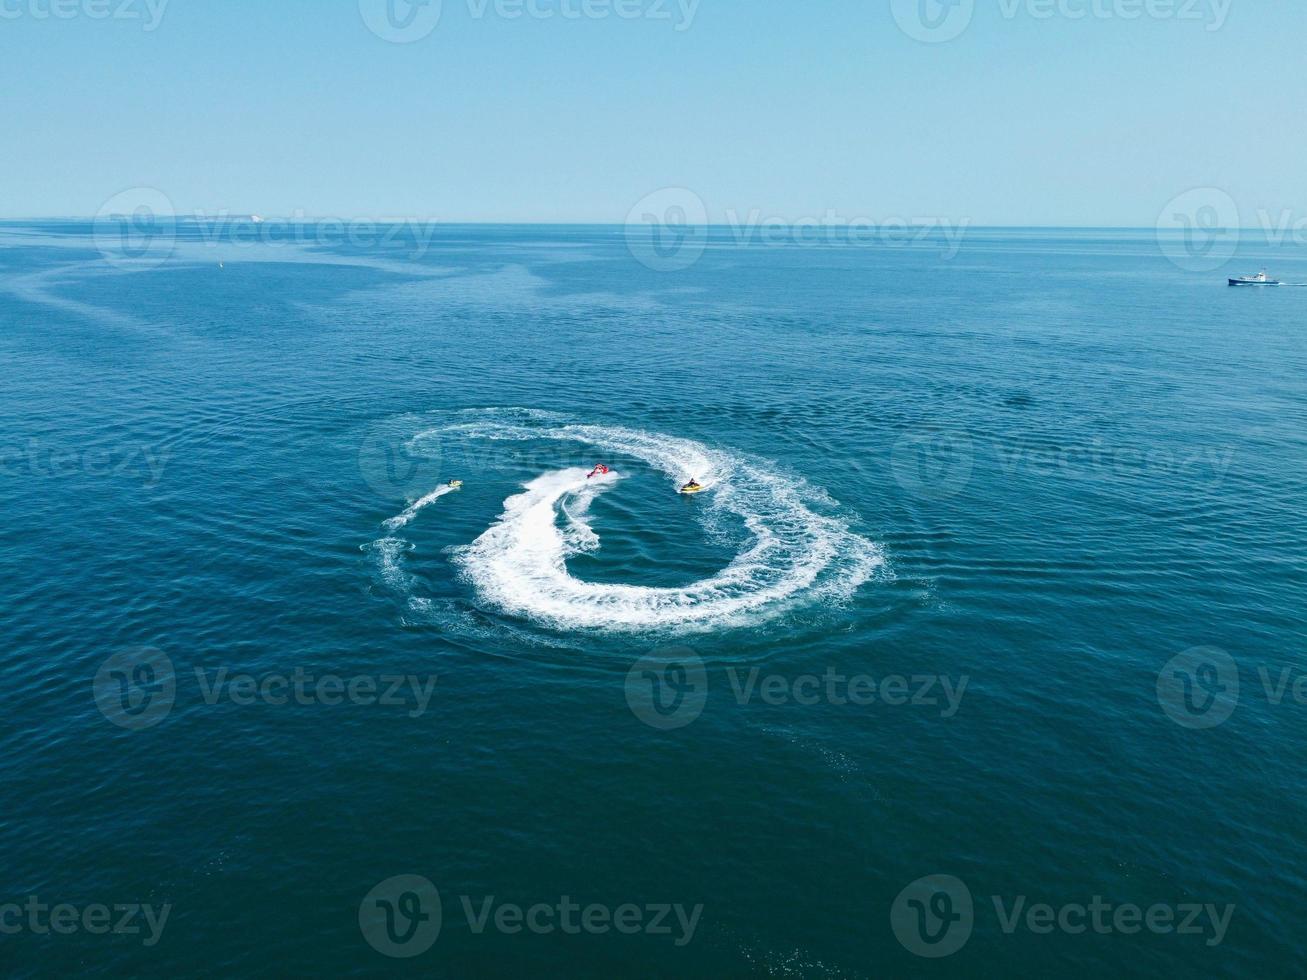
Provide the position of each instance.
(1261, 279)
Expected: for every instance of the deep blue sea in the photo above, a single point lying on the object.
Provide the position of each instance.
(981, 652)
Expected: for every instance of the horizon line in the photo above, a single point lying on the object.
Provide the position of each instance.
(306, 219)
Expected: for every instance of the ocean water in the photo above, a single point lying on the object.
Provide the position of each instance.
(994, 600)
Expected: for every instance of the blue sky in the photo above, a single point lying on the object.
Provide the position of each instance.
(790, 109)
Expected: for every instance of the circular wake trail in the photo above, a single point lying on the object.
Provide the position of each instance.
(794, 555)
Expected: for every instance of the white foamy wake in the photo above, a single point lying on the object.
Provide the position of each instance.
(413, 509)
(390, 554)
(519, 565)
(390, 550)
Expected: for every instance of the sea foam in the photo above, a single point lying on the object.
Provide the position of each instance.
(518, 566)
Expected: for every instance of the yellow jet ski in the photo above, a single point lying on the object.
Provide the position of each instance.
(456, 484)
(694, 486)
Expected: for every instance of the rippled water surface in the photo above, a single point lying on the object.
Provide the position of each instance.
(1004, 490)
